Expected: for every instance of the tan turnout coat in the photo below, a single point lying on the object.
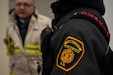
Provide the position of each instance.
(24, 60)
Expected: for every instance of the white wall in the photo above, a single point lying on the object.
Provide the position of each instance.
(3, 22)
(109, 18)
(43, 7)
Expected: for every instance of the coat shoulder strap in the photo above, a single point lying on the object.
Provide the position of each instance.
(91, 16)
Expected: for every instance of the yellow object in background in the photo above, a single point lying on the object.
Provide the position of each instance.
(8, 43)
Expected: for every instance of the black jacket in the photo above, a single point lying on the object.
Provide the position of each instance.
(78, 46)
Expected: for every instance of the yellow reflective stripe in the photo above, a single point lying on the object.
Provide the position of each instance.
(33, 49)
(30, 48)
(12, 74)
(16, 49)
(33, 46)
(38, 52)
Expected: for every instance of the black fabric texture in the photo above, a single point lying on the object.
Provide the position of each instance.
(61, 7)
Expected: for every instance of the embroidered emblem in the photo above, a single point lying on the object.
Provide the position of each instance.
(67, 56)
(70, 53)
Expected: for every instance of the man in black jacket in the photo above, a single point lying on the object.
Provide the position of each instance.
(79, 44)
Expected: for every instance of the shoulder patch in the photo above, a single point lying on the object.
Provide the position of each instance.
(71, 52)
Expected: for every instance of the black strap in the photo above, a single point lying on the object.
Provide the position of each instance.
(86, 14)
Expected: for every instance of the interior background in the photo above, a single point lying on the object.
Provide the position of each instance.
(43, 8)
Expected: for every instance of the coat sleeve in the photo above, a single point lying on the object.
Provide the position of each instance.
(86, 47)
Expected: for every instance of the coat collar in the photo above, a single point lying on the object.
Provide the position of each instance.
(33, 21)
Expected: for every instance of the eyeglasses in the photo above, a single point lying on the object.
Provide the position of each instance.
(24, 4)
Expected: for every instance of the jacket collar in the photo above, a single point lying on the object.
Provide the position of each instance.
(34, 17)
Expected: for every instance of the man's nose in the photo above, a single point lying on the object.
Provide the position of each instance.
(22, 6)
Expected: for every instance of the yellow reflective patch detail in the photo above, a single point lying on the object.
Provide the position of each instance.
(38, 52)
(17, 51)
(30, 48)
(33, 49)
(33, 46)
(12, 74)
